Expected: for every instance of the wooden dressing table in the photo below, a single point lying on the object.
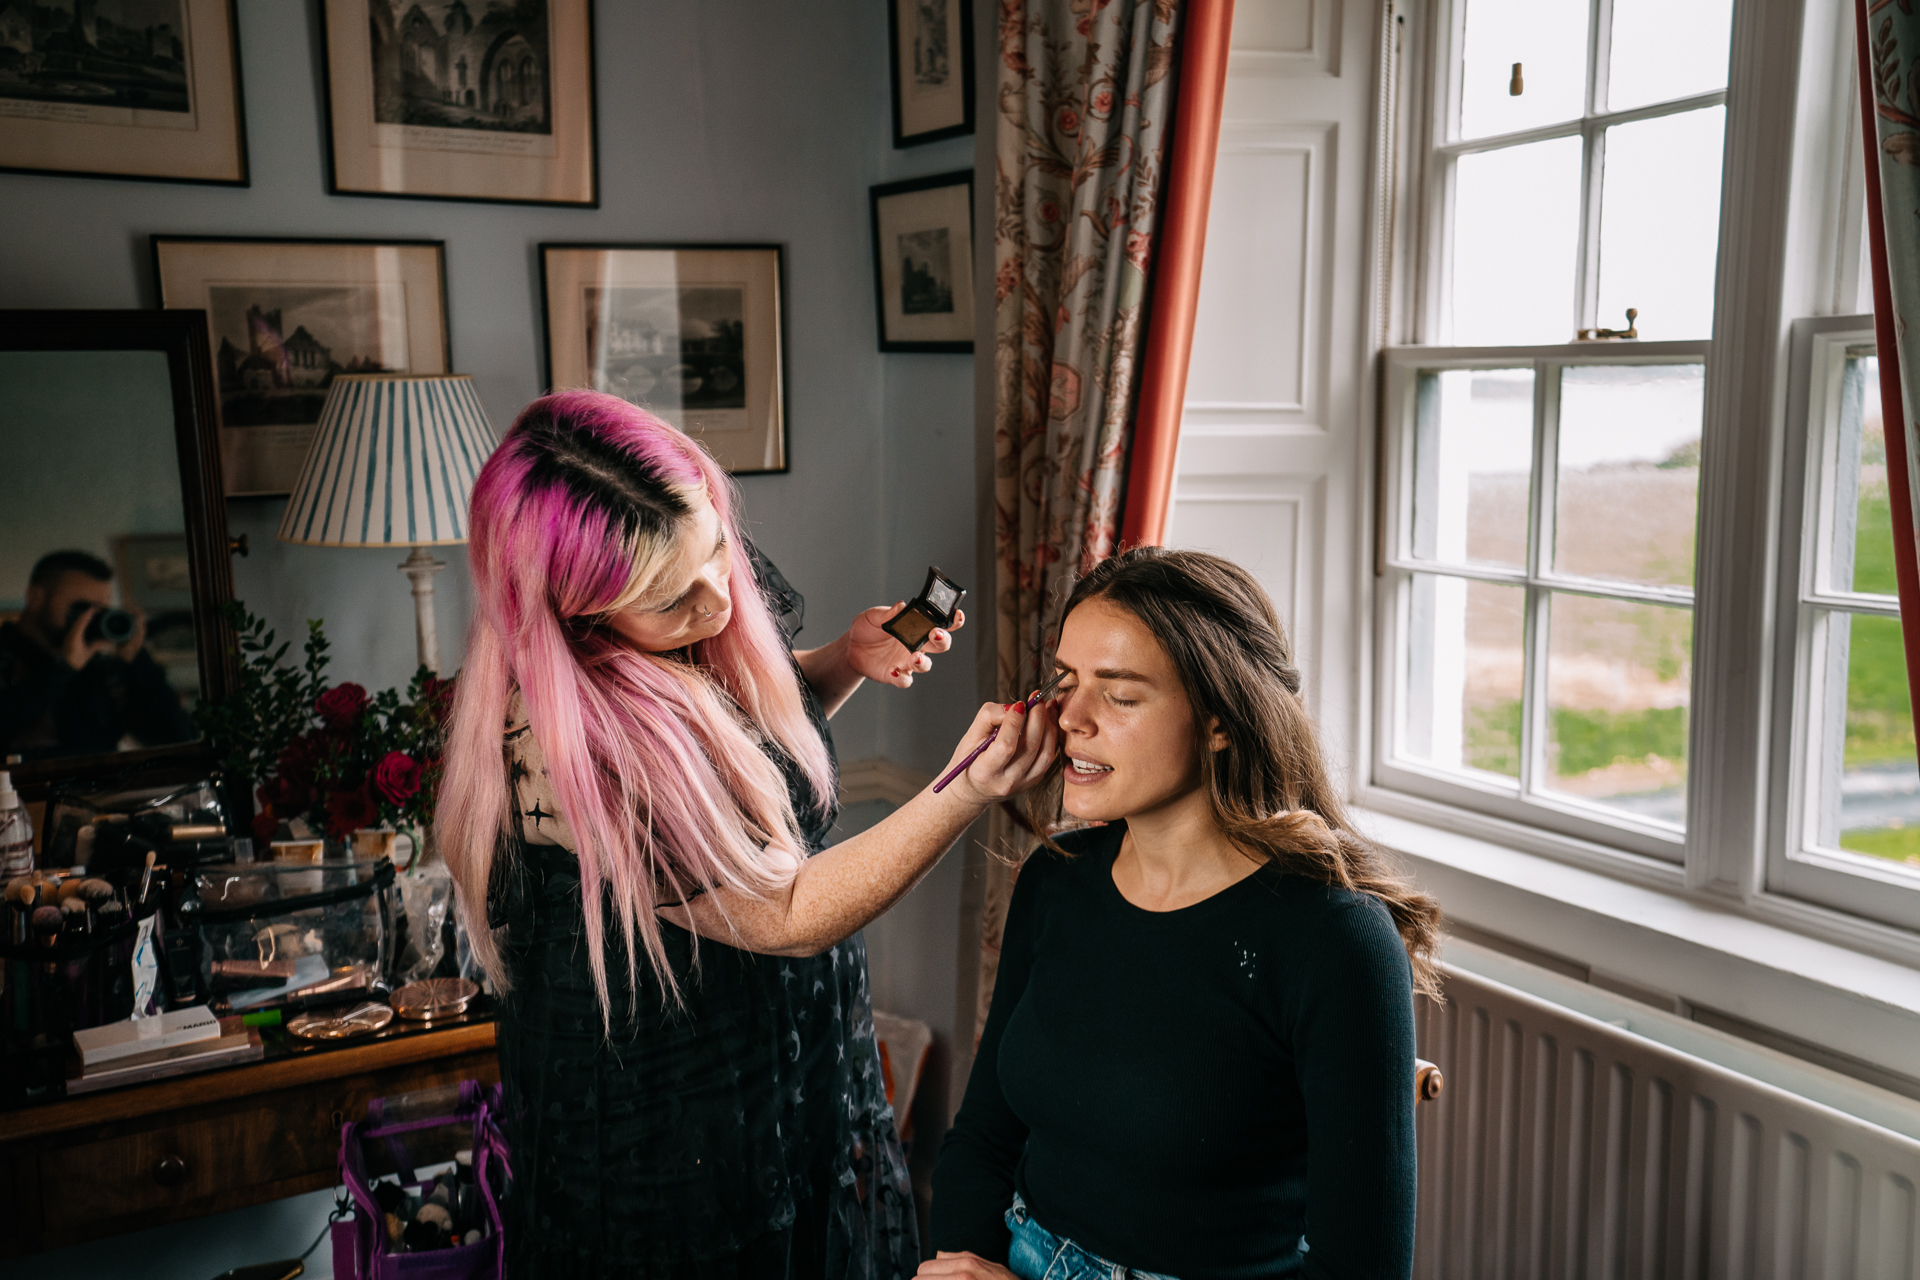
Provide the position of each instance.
(100, 1164)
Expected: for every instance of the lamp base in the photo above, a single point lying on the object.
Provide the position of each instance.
(420, 568)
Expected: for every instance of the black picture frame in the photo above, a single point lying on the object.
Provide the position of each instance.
(556, 376)
(875, 197)
(330, 153)
(965, 127)
(243, 176)
(182, 337)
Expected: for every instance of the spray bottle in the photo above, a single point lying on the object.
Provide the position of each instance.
(16, 832)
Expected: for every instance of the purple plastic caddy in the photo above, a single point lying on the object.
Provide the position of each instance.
(406, 1133)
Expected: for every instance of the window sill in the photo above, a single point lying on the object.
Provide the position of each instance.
(1650, 940)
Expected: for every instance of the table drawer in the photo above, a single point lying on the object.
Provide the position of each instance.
(160, 1168)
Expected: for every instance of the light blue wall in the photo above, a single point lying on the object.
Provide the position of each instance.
(719, 120)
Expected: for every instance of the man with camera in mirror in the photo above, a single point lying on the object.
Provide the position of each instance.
(75, 674)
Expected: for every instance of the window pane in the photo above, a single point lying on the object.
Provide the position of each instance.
(1549, 39)
(1617, 687)
(1862, 514)
(1473, 460)
(1660, 223)
(1516, 236)
(1466, 664)
(1875, 808)
(1629, 472)
(1662, 50)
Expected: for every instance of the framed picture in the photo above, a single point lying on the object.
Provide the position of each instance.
(122, 89)
(461, 100)
(691, 332)
(285, 316)
(932, 69)
(923, 262)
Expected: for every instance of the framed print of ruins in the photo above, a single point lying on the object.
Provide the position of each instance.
(461, 100)
(692, 333)
(122, 89)
(285, 316)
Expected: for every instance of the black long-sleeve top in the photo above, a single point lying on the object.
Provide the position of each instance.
(1194, 1091)
(47, 708)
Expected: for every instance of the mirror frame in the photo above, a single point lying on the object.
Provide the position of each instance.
(182, 337)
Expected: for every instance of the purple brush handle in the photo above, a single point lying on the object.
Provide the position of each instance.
(961, 768)
(1041, 694)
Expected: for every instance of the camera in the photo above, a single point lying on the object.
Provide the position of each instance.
(115, 626)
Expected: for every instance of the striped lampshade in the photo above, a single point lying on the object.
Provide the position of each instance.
(392, 462)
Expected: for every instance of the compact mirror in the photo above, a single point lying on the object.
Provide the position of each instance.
(933, 608)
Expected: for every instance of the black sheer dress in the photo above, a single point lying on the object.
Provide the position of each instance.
(745, 1135)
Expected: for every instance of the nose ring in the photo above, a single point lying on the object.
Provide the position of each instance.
(706, 614)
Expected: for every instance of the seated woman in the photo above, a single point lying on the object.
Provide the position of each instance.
(1199, 1057)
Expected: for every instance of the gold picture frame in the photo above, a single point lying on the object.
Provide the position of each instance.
(691, 332)
(284, 316)
(455, 100)
(114, 93)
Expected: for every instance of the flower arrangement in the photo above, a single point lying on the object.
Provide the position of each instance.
(330, 756)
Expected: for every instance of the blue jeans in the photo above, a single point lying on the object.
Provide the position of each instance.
(1038, 1254)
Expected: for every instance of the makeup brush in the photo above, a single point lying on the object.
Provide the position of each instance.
(1035, 698)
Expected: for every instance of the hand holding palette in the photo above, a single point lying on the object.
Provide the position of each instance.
(934, 608)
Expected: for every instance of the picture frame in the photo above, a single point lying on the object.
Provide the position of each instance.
(695, 333)
(923, 262)
(119, 95)
(426, 102)
(283, 316)
(931, 48)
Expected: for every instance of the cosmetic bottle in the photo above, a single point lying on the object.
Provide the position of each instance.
(16, 832)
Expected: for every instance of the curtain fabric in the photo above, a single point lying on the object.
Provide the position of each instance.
(1085, 97)
(1888, 32)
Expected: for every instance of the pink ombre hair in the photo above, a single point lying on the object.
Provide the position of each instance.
(657, 763)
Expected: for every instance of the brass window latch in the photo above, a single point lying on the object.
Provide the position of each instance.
(1601, 335)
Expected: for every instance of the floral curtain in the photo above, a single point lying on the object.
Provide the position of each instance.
(1085, 95)
(1888, 32)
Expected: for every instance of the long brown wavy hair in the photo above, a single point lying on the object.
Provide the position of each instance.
(1269, 787)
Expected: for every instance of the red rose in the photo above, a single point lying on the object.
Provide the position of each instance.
(265, 826)
(397, 777)
(348, 811)
(341, 705)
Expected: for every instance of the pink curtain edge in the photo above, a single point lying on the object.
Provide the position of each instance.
(1906, 557)
(1175, 296)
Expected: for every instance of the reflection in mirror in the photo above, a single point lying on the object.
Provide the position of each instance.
(98, 650)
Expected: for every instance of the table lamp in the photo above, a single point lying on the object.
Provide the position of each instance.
(392, 464)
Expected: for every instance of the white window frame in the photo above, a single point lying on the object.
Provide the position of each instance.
(1797, 865)
(1446, 147)
(1790, 246)
(1526, 800)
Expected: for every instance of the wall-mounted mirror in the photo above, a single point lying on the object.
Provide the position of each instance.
(113, 541)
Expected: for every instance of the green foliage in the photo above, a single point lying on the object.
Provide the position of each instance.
(272, 704)
(1879, 714)
(1873, 542)
(1595, 739)
(1493, 737)
(1900, 844)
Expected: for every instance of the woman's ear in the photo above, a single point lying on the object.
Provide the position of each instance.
(1216, 740)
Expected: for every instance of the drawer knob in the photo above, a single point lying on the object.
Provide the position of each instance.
(171, 1171)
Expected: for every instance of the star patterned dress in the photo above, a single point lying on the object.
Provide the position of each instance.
(746, 1134)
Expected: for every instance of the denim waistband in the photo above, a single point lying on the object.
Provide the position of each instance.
(1038, 1254)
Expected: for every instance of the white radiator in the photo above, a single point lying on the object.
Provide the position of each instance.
(1564, 1146)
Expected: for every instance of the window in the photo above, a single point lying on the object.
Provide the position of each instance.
(1852, 827)
(1633, 599)
(1576, 168)
(1540, 580)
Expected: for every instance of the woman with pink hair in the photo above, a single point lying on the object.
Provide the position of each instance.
(694, 1086)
